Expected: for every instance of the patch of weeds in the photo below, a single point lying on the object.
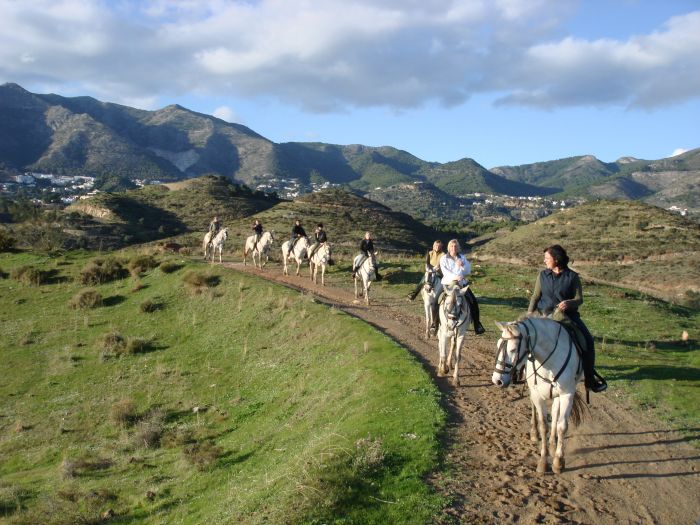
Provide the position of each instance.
(113, 343)
(137, 345)
(150, 430)
(149, 306)
(27, 275)
(71, 468)
(100, 271)
(368, 457)
(169, 267)
(140, 264)
(203, 455)
(86, 298)
(11, 499)
(123, 413)
(197, 282)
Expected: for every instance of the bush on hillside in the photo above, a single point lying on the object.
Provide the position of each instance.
(99, 271)
(198, 281)
(140, 264)
(369, 456)
(203, 455)
(123, 413)
(149, 306)
(86, 298)
(149, 431)
(7, 242)
(28, 275)
(137, 345)
(169, 267)
(113, 342)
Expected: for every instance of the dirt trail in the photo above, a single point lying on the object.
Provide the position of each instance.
(622, 467)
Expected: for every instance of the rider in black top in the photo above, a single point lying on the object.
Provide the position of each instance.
(214, 226)
(257, 231)
(367, 249)
(297, 232)
(319, 238)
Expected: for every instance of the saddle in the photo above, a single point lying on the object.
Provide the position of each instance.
(573, 330)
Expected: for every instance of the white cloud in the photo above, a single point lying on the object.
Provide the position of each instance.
(678, 151)
(338, 54)
(225, 113)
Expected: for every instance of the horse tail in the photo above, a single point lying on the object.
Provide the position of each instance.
(579, 411)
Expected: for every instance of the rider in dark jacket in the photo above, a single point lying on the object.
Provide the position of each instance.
(257, 231)
(214, 226)
(367, 250)
(558, 293)
(319, 238)
(297, 233)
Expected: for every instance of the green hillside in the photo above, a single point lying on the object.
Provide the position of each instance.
(198, 395)
(625, 242)
(346, 217)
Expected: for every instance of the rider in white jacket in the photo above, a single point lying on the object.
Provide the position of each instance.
(455, 269)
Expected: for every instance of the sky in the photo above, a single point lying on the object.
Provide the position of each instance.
(504, 82)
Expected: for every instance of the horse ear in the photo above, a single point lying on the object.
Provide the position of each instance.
(464, 290)
(500, 325)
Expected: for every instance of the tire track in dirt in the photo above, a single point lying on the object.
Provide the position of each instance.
(622, 466)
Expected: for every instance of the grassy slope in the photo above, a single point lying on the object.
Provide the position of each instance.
(285, 406)
(629, 243)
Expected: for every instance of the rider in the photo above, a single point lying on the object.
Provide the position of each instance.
(366, 250)
(319, 238)
(455, 269)
(257, 231)
(558, 293)
(432, 262)
(214, 226)
(297, 233)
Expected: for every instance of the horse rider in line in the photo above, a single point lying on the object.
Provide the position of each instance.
(558, 294)
(320, 238)
(214, 227)
(297, 233)
(432, 263)
(455, 269)
(257, 231)
(366, 250)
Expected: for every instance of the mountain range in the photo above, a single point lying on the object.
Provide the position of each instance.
(83, 136)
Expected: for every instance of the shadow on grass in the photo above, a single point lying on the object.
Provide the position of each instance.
(53, 277)
(113, 300)
(655, 372)
(230, 458)
(520, 303)
(650, 346)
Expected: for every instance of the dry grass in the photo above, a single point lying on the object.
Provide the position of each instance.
(28, 275)
(99, 271)
(86, 298)
(203, 455)
(123, 413)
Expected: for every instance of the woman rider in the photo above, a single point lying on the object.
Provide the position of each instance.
(432, 262)
(558, 294)
(455, 268)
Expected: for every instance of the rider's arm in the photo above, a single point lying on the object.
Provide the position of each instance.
(535, 295)
(573, 304)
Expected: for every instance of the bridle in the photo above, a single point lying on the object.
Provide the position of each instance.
(456, 319)
(505, 368)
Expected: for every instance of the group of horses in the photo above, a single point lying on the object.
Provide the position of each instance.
(540, 346)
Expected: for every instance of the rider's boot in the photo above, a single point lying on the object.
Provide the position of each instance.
(593, 381)
(474, 305)
(412, 295)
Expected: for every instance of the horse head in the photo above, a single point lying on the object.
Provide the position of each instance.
(455, 307)
(509, 357)
(429, 280)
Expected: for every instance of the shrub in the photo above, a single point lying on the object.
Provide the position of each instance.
(86, 298)
(369, 456)
(70, 468)
(137, 345)
(113, 342)
(149, 432)
(28, 275)
(100, 271)
(123, 413)
(141, 264)
(198, 281)
(186, 250)
(148, 306)
(11, 499)
(6, 241)
(203, 455)
(169, 267)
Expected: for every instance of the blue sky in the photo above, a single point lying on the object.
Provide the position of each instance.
(504, 82)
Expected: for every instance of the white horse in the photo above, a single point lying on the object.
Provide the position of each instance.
(320, 258)
(300, 249)
(217, 244)
(553, 368)
(455, 317)
(260, 249)
(206, 245)
(366, 273)
(430, 292)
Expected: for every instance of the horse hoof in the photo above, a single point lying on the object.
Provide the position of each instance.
(558, 465)
(455, 381)
(534, 438)
(541, 467)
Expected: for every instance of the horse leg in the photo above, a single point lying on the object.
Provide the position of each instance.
(458, 351)
(450, 355)
(428, 317)
(566, 403)
(540, 404)
(442, 340)
(284, 264)
(323, 275)
(366, 291)
(355, 280)
(533, 424)
(556, 406)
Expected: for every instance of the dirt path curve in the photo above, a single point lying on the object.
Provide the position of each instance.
(622, 467)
